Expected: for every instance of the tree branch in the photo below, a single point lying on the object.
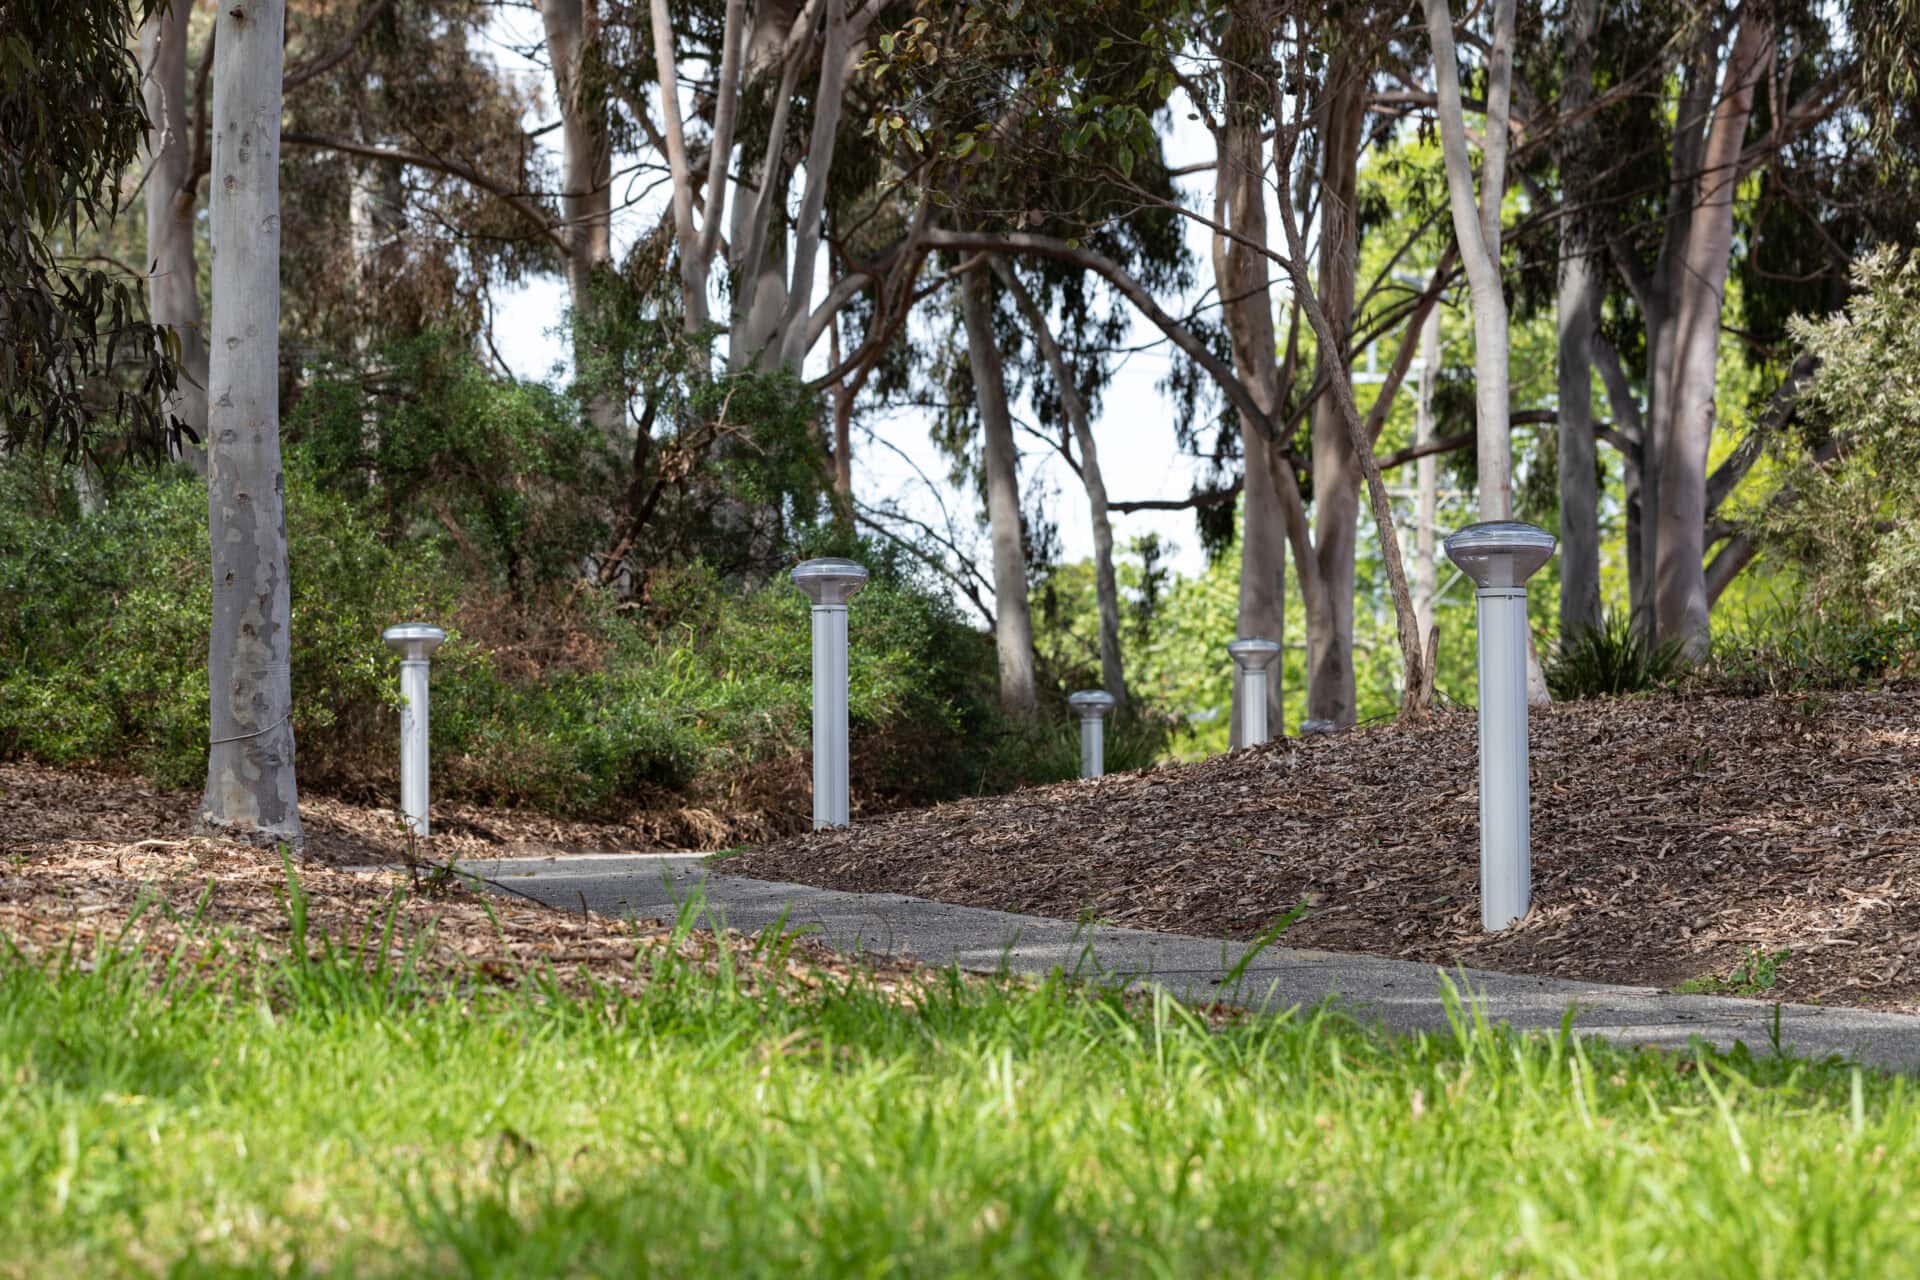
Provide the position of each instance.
(1048, 247)
(515, 200)
(315, 67)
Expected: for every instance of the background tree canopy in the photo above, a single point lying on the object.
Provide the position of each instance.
(880, 278)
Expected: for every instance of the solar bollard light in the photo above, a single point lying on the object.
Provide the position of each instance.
(830, 583)
(1093, 706)
(1252, 656)
(415, 643)
(1500, 556)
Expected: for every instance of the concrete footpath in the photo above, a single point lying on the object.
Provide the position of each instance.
(1399, 994)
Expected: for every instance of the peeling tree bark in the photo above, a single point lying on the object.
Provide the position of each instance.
(173, 288)
(251, 792)
(1012, 624)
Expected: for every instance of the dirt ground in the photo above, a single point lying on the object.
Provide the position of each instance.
(1759, 846)
(87, 858)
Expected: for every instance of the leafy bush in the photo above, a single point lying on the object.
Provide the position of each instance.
(435, 446)
(1790, 648)
(568, 703)
(1609, 660)
(1851, 480)
(103, 628)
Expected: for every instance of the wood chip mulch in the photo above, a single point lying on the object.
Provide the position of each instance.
(83, 855)
(40, 806)
(1673, 839)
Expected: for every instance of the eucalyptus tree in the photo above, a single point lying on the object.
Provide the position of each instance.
(1580, 289)
(1093, 116)
(251, 792)
(1703, 98)
(71, 121)
(1070, 392)
(173, 278)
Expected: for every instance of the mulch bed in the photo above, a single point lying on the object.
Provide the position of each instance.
(1672, 839)
(90, 859)
(42, 806)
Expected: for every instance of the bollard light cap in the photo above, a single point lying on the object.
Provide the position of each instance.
(1500, 553)
(414, 640)
(1252, 653)
(1091, 702)
(830, 580)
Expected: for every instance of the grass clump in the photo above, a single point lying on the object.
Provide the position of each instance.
(318, 1117)
(1756, 974)
(1610, 660)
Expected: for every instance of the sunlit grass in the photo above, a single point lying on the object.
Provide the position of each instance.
(313, 1117)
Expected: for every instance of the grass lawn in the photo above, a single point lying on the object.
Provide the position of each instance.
(308, 1116)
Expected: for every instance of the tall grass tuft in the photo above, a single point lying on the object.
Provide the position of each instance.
(1610, 660)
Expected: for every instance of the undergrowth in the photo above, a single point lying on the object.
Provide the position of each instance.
(567, 702)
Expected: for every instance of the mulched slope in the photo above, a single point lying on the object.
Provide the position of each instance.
(82, 855)
(1671, 837)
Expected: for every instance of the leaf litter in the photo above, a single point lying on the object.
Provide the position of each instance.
(89, 859)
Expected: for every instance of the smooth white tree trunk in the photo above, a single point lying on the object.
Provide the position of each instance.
(1476, 227)
(1012, 624)
(586, 196)
(1106, 586)
(1477, 230)
(250, 775)
(173, 286)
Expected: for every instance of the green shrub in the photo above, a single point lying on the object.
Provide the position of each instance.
(436, 447)
(1610, 660)
(569, 704)
(1789, 648)
(103, 629)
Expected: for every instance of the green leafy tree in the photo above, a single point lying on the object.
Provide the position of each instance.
(71, 122)
(1844, 512)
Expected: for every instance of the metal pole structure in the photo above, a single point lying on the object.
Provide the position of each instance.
(415, 643)
(830, 583)
(1500, 556)
(1094, 705)
(1251, 658)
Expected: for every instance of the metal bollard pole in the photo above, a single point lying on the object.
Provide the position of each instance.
(1093, 706)
(1500, 556)
(830, 583)
(415, 643)
(1251, 658)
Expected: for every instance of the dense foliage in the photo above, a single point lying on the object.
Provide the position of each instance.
(70, 123)
(1846, 510)
(566, 700)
